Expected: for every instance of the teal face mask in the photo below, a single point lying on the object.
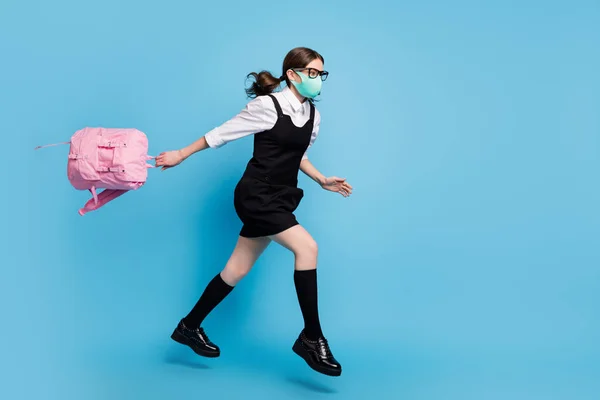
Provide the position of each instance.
(308, 87)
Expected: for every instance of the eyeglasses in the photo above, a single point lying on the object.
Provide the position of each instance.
(313, 73)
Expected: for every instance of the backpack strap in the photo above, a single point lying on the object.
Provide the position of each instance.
(112, 144)
(49, 145)
(148, 165)
(103, 198)
(94, 195)
(107, 195)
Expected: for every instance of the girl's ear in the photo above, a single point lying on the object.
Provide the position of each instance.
(293, 76)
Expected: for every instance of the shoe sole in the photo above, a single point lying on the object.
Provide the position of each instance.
(299, 350)
(179, 338)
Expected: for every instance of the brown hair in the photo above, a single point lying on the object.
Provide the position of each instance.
(265, 83)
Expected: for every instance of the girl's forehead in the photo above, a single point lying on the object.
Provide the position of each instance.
(316, 63)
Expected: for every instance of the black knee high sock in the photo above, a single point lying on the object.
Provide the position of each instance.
(306, 288)
(214, 293)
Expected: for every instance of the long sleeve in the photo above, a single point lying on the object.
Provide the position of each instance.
(254, 118)
(315, 133)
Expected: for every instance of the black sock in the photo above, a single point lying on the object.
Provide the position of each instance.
(214, 293)
(306, 288)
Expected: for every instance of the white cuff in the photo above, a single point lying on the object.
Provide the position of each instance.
(213, 140)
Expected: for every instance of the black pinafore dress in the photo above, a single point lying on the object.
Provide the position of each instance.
(267, 195)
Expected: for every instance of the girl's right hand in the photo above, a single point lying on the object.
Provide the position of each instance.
(169, 159)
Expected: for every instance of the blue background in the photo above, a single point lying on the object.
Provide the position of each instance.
(465, 265)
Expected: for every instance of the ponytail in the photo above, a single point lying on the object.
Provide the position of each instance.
(264, 83)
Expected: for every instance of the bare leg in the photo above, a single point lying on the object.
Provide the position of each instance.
(241, 261)
(300, 242)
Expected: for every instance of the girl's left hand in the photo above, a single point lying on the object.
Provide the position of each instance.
(339, 185)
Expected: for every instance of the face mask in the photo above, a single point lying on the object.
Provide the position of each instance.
(308, 87)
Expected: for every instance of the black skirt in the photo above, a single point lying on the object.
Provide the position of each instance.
(264, 208)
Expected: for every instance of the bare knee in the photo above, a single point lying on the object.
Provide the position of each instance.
(312, 248)
(306, 254)
(235, 272)
(242, 259)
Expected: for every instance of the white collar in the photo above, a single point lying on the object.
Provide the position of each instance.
(291, 98)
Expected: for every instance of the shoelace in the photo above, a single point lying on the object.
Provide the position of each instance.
(203, 334)
(324, 347)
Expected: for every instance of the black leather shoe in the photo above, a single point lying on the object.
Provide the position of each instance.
(195, 339)
(317, 355)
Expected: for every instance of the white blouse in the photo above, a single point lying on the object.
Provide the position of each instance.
(260, 115)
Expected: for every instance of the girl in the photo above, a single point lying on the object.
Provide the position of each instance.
(284, 124)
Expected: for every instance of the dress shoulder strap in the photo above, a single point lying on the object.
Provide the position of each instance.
(277, 106)
(312, 110)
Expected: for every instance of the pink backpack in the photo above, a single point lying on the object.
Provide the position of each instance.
(107, 158)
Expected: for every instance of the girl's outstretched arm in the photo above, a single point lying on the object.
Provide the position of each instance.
(257, 116)
(170, 159)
